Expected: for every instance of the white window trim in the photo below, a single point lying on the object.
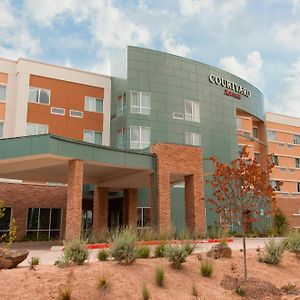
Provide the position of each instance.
(142, 218)
(120, 110)
(2, 122)
(56, 113)
(94, 104)
(123, 131)
(180, 116)
(5, 85)
(193, 134)
(192, 115)
(38, 124)
(93, 131)
(140, 107)
(33, 87)
(78, 111)
(140, 140)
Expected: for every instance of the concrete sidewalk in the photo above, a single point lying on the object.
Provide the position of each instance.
(48, 256)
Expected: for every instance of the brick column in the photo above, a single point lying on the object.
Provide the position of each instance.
(152, 205)
(74, 200)
(130, 205)
(100, 210)
(194, 203)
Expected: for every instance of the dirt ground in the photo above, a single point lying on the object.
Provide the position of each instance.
(125, 282)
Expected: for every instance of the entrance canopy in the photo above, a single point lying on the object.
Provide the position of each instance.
(46, 157)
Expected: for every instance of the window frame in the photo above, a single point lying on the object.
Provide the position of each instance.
(192, 117)
(275, 185)
(123, 134)
(296, 139)
(5, 92)
(2, 130)
(37, 124)
(93, 132)
(10, 218)
(193, 135)
(139, 143)
(298, 187)
(257, 160)
(253, 129)
(268, 135)
(142, 216)
(140, 108)
(39, 95)
(297, 165)
(76, 111)
(121, 105)
(56, 113)
(94, 99)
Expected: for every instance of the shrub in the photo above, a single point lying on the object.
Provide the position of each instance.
(274, 251)
(159, 276)
(76, 252)
(240, 290)
(176, 255)
(206, 268)
(159, 250)
(289, 288)
(102, 255)
(123, 248)
(189, 247)
(62, 262)
(35, 261)
(65, 294)
(102, 283)
(145, 293)
(292, 243)
(281, 224)
(144, 252)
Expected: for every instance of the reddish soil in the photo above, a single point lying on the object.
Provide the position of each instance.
(125, 282)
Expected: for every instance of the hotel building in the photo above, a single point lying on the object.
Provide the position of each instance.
(83, 151)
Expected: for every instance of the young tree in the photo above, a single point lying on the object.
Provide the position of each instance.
(241, 190)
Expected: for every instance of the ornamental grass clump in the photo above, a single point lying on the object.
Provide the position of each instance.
(123, 248)
(159, 250)
(143, 252)
(292, 243)
(102, 255)
(206, 268)
(159, 276)
(176, 254)
(274, 251)
(35, 261)
(145, 292)
(102, 284)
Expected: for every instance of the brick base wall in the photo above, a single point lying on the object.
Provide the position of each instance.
(290, 206)
(23, 196)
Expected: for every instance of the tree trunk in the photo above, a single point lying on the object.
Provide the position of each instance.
(245, 257)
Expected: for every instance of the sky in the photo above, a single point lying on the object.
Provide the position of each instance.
(258, 40)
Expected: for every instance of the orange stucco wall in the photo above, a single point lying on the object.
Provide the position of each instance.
(3, 78)
(69, 96)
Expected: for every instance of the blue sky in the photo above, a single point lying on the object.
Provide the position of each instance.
(258, 40)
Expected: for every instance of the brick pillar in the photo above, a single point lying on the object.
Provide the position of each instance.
(74, 200)
(152, 206)
(130, 205)
(100, 210)
(194, 206)
(163, 202)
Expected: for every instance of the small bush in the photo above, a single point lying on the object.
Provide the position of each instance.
(62, 262)
(194, 290)
(76, 252)
(176, 254)
(102, 284)
(145, 293)
(143, 252)
(281, 224)
(206, 268)
(159, 250)
(123, 248)
(240, 290)
(292, 243)
(35, 261)
(189, 247)
(289, 288)
(159, 276)
(65, 294)
(102, 255)
(274, 251)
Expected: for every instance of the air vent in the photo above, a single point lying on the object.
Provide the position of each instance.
(177, 115)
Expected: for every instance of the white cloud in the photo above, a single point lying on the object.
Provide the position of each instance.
(250, 70)
(15, 39)
(172, 46)
(287, 101)
(224, 10)
(296, 6)
(287, 34)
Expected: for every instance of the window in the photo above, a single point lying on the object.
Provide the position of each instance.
(37, 95)
(275, 184)
(2, 92)
(297, 139)
(192, 138)
(57, 111)
(297, 162)
(281, 145)
(298, 187)
(255, 132)
(271, 135)
(240, 149)
(87, 221)
(121, 138)
(257, 157)
(139, 137)
(33, 129)
(43, 223)
(140, 103)
(93, 104)
(1, 130)
(76, 113)
(121, 105)
(238, 123)
(192, 111)
(275, 160)
(143, 217)
(178, 116)
(91, 136)
(5, 220)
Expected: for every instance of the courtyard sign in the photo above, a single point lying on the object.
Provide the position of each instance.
(231, 89)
